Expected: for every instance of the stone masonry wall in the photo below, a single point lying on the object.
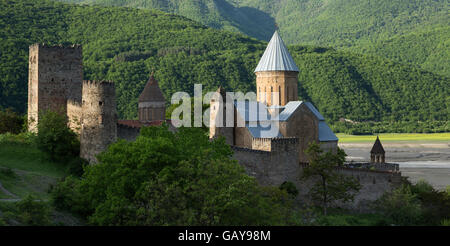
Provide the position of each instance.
(99, 124)
(283, 83)
(74, 115)
(55, 76)
(127, 133)
(304, 126)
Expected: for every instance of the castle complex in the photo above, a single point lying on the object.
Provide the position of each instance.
(269, 136)
(55, 83)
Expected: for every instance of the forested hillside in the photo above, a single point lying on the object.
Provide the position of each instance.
(357, 25)
(125, 44)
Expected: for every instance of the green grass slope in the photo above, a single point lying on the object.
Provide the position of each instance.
(125, 44)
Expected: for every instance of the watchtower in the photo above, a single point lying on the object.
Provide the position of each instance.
(55, 77)
(99, 123)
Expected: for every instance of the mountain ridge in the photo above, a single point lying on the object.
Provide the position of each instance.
(124, 45)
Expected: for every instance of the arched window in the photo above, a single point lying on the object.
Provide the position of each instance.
(287, 93)
(271, 95)
(279, 95)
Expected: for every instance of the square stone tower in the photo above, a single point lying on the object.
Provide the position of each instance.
(55, 77)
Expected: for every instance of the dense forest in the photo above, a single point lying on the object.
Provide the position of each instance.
(125, 44)
(414, 31)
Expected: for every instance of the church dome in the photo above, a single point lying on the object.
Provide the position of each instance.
(276, 57)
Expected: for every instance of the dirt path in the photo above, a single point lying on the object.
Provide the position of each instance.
(7, 192)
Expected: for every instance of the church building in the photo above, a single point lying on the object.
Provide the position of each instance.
(277, 114)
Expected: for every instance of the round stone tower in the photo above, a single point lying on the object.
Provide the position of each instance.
(276, 74)
(152, 104)
(99, 120)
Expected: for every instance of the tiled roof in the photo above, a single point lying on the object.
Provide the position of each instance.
(276, 57)
(138, 124)
(377, 147)
(152, 92)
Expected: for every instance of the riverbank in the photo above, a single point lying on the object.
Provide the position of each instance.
(421, 156)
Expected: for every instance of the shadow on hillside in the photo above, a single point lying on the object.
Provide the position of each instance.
(250, 21)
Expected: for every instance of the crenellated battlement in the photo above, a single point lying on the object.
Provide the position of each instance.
(275, 144)
(98, 83)
(58, 46)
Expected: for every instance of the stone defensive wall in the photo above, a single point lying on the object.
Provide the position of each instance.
(275, 144)
(268, 167)
(74, 115)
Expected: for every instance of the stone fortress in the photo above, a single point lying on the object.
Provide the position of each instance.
(273, 154)
(55, 83)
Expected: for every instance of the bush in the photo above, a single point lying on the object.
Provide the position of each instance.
(400, 207)
(33, 213)
(166, 178)
(435, 204)
(10, 122)
(65, 195)
(55, 138)
(8, 172)
(290, 188)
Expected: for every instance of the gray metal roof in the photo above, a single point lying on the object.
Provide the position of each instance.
(325, 133)
(276, 57)
(314, 111)
(252, 111)
(288, 110)
(259, 131)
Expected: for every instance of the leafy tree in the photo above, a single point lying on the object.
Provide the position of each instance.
(435, 204)
(166, 178)
(329, 185)
(33, 213)
(400, 207)
(10, 122)
(55, 138)
(290, 188)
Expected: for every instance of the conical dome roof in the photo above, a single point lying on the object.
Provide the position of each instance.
(377, 147)
(276, 57)
(152, 92)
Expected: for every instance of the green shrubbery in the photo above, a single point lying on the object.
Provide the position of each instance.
(10, 122)
(55, 139)
(32, 212)
(166, 178)
(418, 204)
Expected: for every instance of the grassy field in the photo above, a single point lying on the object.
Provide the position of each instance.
(24, 170)
(395, 137)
